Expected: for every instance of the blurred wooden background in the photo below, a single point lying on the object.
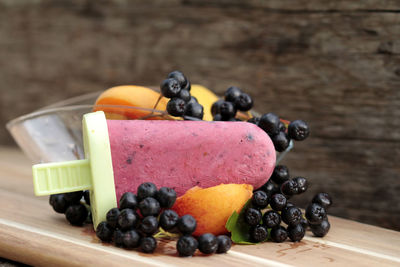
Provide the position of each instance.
(334, 64)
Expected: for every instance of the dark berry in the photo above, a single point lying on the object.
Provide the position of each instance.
(127, 219)
(252, 216)
(104, 232)
(302, 184)
(216, 107)
(315, 213)
(118, 238)
(254, 120)
(304, 223)
(86, 196)
(112, 217)
(192, 100)
(170, 88)
(59, 203)
(149, 206)
(320, 230)
(243, 102)
(323, 199)
(278, 202)
(280, 174)
(178, 75)
(258, 233)
(296, 232)
(148, 244)
(289, 188)
(232, 93)
(186, 224)
(224, 243)
(269, 123)
(149, 225)
(260, 199)
(194, 110)
(188, 86)
(217, 117)
(128, 201)
(166, 197)
(281, 141)
(279, 234)
(176, 107)
(185, 95)
(131, 239)
(270, 188)
(146, 190)
(208, 243)
(271, 219)
(291, 215)
(73, 197)
(186, 245)
(282, 127)
(76, 214)
(168, 219)
(298, 130)
(227, 110)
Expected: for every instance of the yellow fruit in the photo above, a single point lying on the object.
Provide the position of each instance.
(211, 207)
(205, 97)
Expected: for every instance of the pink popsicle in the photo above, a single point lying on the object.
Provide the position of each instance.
(183, 154)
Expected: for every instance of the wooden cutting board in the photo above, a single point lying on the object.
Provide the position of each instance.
(32, 233)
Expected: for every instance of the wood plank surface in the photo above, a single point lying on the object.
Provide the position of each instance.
(32, 233)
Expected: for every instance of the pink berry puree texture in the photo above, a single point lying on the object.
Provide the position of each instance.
(184, 154)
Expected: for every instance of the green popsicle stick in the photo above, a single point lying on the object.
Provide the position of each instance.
(94, 173)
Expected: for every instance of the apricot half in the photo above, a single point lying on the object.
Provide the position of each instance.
(211, 207)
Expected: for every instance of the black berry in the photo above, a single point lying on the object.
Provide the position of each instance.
(104, 232)
(74, 197)
(148, 244)
(168, 219)
(170, 88)
(186, 245)
(323, 199)
(315, 213)
(279, 234)
(282, 127)
(291, 215)
(289, 188)
(76, 214)
(260, 199)
(112, 217)
(166, 197)
(280, 174)
(232, 93)
(227, 110)
(217, 117)
(185, 95)
(208, 243)
(252, 216)
(188, 86)
(271, 219)
(186, 224)
(296, 232)
(298, 130)
(128, 201)
(59, 203)
(270, 188)
(176, 107)
(304, 223)
(278, 202)
(269, 123)
(149, 225)
(192, 100)
(243, 102)
(127, 219)
(131, 239)
(146, 190)
(149, 206)
(224, 243)
(118, 238)
(302, 184)
(216, 106)
(178, 75)
(281, 141)
(258, 233)
(194, 110)
(320, 230)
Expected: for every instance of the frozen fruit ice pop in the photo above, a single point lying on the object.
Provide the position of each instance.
(122, 154)
(183, 154)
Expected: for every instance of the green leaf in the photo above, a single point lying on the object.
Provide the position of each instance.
(240, 230)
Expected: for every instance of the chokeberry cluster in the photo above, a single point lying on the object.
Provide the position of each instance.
(317, 216)
(73, 205)
(235, 99)
(181, 103)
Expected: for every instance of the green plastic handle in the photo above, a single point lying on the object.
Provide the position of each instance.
(61, 177)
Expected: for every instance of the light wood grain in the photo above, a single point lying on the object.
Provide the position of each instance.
(32, 233)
